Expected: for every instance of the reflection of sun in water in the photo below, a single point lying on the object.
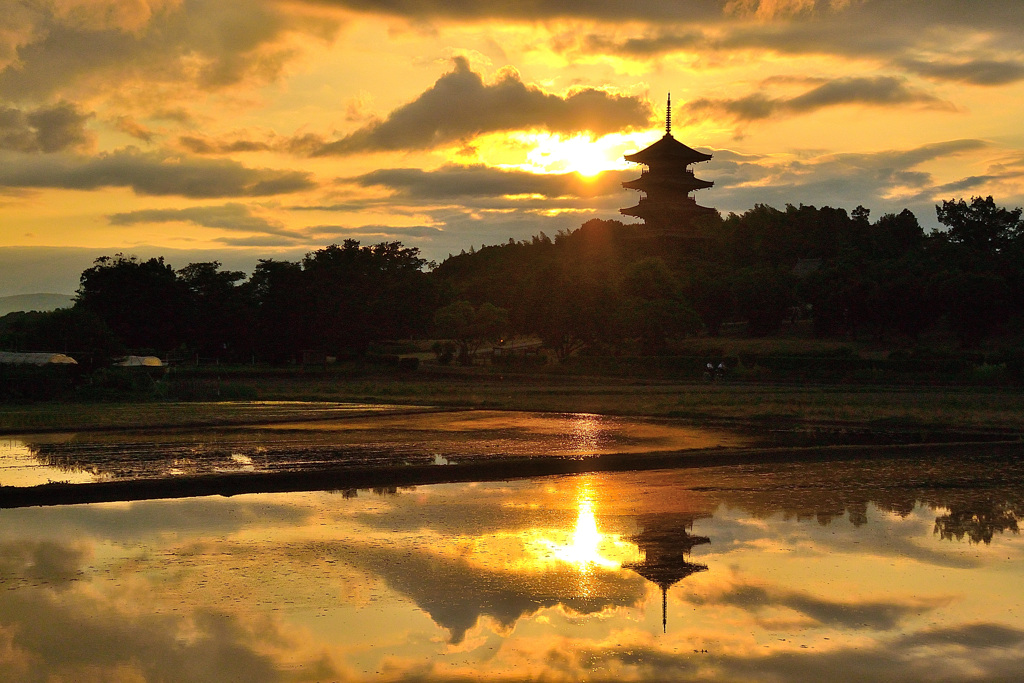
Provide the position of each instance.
(581, 553)
(584, 551)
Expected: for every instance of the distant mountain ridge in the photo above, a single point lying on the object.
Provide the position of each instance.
(35, 302)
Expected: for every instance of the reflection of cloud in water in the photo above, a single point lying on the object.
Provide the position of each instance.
(981, 652)
(456, 592)
(887, 535)
(142, 520)
(881, 615)
(41, 562)
(78, 634)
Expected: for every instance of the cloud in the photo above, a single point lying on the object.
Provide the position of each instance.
(460, 106)
(454, 181)
(208, 43)
(872, 91)
(208, 145)
(974, 72)
(650, 47)
(472, 10)
(45, 129)
(839, 180)
(149, 173)
(130, 126)
(372, 231)
(980, 47)
(769, 9)
(230, 216)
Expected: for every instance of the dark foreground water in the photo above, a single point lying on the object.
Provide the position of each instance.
(884, 570)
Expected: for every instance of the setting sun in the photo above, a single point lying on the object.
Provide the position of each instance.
(552, 153)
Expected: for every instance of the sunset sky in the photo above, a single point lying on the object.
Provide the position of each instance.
(217, 129)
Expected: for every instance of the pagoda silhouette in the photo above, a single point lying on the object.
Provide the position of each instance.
(666, 207)
(665, 541)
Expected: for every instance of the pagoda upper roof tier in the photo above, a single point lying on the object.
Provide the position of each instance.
(651, 182)
(667, 150)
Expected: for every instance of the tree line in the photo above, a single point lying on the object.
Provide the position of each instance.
(604, 288)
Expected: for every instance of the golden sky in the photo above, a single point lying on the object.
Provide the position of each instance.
(213, 129)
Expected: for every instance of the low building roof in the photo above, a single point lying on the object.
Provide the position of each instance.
(140, 361)
(18, 358)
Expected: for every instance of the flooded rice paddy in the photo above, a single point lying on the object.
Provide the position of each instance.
(402, 437)
(882, 569)
(904, 569)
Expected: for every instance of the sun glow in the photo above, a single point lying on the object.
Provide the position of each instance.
(552, 153)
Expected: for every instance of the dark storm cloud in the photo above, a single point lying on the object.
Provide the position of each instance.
(149, 174)
(873, 91)
(460, 106)
(453, 181)
(44, 129)
(212, 43)
(230, 216)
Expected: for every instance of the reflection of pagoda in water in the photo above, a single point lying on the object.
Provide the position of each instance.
(667, 208)
(664, 542)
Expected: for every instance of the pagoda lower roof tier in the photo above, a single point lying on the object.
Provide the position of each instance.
(656, 212)
(667, 150)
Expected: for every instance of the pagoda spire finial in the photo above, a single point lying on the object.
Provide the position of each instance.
(668, 116)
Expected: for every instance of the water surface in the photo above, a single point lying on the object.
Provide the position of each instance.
(885, 570)
(388, 440)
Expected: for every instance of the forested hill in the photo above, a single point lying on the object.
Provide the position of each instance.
(34, 302)
(853, 277)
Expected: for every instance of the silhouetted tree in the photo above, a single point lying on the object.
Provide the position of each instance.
(282, 304)
(980, 226)
(144, 303)
(220, 317)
